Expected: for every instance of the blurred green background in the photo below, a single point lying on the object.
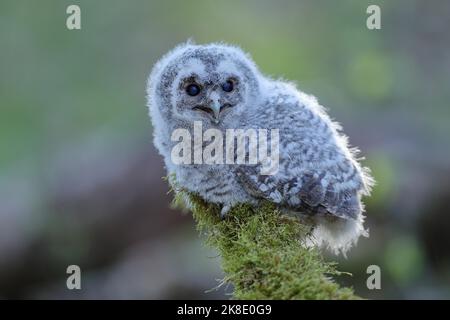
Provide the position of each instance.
(80, 181)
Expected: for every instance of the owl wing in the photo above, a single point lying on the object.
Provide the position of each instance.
(318, 172)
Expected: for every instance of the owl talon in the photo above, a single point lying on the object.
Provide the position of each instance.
(224, 211)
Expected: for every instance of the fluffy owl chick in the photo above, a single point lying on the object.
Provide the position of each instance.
(220, 87)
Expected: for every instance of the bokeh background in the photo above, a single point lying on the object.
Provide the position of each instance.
(81, 183)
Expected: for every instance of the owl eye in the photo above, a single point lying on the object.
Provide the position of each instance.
(193, 90)
(227, 86)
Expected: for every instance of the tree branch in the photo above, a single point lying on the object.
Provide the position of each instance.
(262, 252)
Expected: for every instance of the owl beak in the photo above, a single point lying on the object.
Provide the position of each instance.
(215, 108)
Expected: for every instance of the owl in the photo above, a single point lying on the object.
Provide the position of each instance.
(218, 86)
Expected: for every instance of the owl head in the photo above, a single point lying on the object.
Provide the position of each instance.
(213, 83)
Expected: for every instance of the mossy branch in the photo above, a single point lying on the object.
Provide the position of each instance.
(262, 254)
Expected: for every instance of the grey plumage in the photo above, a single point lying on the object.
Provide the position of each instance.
(319, 175)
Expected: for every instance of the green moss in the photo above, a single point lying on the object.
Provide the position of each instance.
(262, 254)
